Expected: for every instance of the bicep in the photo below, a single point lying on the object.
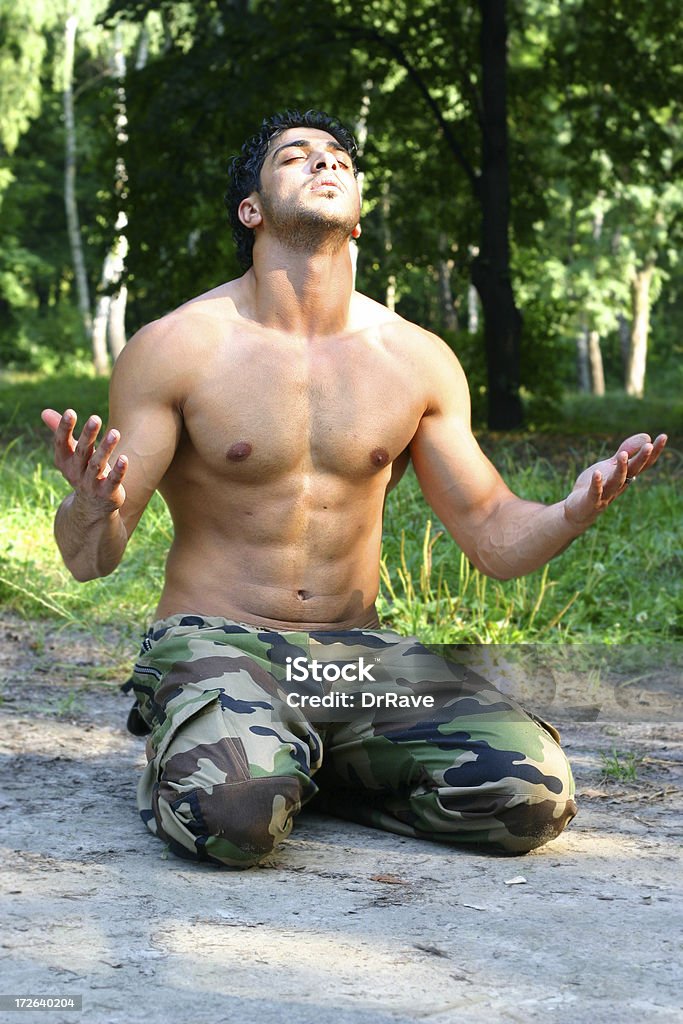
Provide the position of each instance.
(143, 409)
(459, 482)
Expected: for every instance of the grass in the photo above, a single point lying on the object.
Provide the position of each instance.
(24, 395)
(620, 766)
(71, 704)
(618, 584)
(614, 413)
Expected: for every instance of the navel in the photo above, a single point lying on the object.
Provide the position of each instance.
(304, 595)
(239, 451)
(379, 457)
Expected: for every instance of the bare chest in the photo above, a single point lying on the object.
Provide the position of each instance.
(347, 411)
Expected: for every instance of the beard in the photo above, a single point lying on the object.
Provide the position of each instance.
(324, 228)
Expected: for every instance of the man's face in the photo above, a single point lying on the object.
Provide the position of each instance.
(308, 190)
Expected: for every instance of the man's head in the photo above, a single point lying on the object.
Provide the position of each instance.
(315, 136)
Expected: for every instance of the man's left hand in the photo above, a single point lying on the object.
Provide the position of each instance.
(600, 484)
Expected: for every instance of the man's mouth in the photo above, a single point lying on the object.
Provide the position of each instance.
(325, 183)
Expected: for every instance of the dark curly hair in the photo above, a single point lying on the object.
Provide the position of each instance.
(245, 169)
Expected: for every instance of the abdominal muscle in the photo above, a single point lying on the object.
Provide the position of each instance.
(276, 556)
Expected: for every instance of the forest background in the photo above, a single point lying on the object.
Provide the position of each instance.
(522, 197)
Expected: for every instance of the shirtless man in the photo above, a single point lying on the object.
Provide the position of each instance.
(274, 413)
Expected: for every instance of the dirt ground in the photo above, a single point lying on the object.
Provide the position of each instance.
(344, 924)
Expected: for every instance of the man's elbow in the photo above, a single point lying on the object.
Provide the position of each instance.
(84, 575)
(498, 571)
(84, 572)
(485, 558)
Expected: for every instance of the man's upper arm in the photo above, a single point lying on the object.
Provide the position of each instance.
(144, 406)
(457, 479)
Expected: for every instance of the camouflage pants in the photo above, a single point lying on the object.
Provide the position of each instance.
(233, 757)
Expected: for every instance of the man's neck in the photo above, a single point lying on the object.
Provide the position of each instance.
(302, 294)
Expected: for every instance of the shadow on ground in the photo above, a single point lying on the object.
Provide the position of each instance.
(344, 924)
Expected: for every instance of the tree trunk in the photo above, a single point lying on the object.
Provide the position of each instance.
(99, 332)
(71, 207)
(491, 269)
(110, 311)
(361, 138)
(583, 372)
(114, 264)
(117, 322)
(390, 300)
(472, 301)
(595, 357)
(449, 317)
(142, 47)
(390, 296)
(640, 329)
(624, 342)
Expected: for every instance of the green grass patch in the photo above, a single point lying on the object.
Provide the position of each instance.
(33, 579)
(23, 396)
(619, 583)
(620, 766)
(617, 413)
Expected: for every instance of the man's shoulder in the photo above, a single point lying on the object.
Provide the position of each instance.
(420, 352)
(397, 331)
(220, 304)
(185, 332)
(209, 309)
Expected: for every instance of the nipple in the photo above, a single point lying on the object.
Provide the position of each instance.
(379, 457)
(238, 451)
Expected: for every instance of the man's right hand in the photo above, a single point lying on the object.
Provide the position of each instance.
(97, 482)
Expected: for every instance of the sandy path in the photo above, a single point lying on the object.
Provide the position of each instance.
(345, 924)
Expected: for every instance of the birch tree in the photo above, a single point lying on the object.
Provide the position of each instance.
(109, 328)
(99, 351)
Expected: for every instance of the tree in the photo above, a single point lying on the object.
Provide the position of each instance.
(38, 320)
(70, 204)
(622, 139)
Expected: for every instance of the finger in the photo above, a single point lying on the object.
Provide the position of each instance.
(655, 451)
(98, 465)
(86, 442)
(657, 448)
(51, 418)
(118, 470)
(634, 443)
(596, 488)
(616, 479)
(116, 473)
(638, 463)
(64, 439)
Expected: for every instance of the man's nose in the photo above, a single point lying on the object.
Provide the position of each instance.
(325, 159)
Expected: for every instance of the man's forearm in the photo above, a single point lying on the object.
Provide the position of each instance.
(91, 542)
(520, 536)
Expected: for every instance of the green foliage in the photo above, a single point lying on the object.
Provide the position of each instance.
(23, 36)
(605, 588)
(39, 323)
(23, 396)
(617, 415)
(620, 765)
(590, 140)
(33, 580)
